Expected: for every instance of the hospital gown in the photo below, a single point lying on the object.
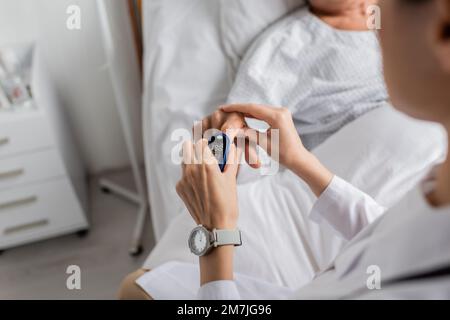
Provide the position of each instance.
(324, 76)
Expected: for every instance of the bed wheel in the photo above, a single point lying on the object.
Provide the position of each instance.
(136, 251)
(82, 233)
(2, 252)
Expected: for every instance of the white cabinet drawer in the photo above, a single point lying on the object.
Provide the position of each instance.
(39, 211)
(26, 133)
(30, 168)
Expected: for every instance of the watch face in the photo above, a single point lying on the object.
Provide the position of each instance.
(199, 241)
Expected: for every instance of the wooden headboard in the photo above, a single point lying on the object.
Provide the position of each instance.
(135, 10)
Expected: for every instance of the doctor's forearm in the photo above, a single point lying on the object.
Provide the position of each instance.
(313, 172)
(217, 265)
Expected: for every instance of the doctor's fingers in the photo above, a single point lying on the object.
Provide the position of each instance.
(234, 157)
(188, 155)
(200, 127)
(203, 154)
(250, 139)
(199, 147)
(262, 139)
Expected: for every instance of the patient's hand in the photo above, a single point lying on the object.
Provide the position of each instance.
(289, 147)
(232, 123)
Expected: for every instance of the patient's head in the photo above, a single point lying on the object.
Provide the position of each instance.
(415, 38)
(339, 6)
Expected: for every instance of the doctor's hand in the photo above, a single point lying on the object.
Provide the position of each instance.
(232, 123)
(209, 195)
(289, 150)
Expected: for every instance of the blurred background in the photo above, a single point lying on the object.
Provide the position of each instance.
(90, 94)
(61, 136)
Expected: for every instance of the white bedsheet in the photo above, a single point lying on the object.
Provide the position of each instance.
(383, 153)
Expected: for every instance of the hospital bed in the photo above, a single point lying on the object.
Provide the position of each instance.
(192, 49)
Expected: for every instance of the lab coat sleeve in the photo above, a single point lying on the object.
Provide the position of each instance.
(345, 208)
(219, 290)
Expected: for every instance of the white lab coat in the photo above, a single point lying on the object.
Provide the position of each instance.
(407, 249)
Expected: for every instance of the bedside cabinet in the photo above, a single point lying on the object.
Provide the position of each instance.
(42, 179)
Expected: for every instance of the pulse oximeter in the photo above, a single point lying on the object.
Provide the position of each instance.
(220, 146)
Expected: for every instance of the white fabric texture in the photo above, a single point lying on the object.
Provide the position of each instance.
(162, 284)
(324, 76)
(391, 244)
(383, 153)
(192, 50)
(220, 290)
(346, 214)
(342, 206)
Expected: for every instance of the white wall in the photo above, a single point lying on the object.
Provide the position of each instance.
(76, 61)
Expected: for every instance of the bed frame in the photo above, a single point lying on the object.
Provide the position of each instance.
(126, 97)
(135, 10)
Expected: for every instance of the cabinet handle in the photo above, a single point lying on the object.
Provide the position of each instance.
(26, 226)
(11, 173)
(18, 202)
(3, 140)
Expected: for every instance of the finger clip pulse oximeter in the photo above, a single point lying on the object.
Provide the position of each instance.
(220, 146)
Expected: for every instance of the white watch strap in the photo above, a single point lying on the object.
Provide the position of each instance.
(227, 237)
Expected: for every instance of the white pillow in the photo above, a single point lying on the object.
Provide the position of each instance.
(243, 20)
(193, 47)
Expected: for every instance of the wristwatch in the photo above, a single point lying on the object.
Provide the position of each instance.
(201, 240)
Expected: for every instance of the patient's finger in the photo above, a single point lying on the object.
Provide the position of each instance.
(259, 112)
(217, 119)
(260, 138)
(233, 125)
(251, 155)
(232, 165)
(231, 131)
